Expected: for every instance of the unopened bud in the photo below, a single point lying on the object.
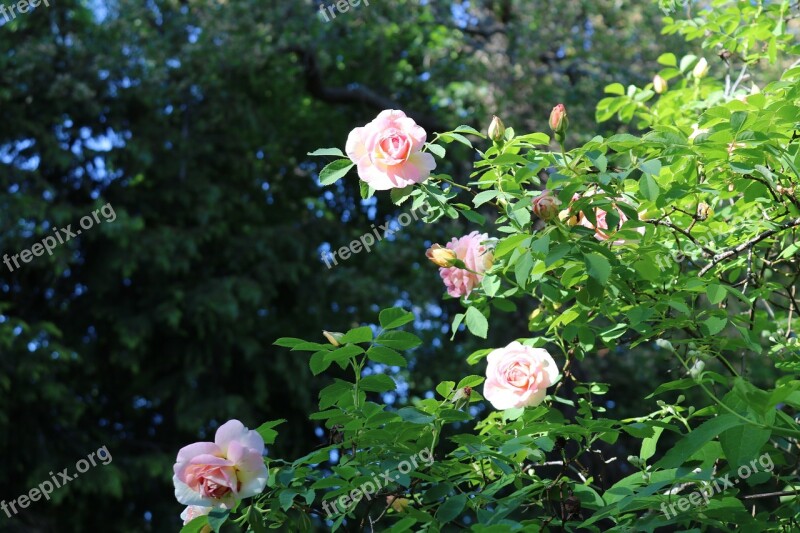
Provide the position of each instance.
(703, 210)
(545, 206)
(559, 122)
(701, 68)
(659, 84)
(697, 369)
(496, 129)
(333, 337)
(400, 505)
(443, 257)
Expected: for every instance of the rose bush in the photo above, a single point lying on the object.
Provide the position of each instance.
(705, 204)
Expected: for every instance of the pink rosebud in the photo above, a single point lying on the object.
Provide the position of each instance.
(388, 151)
(558, 120)
(545, 206)
(220, 473)
(518, 376)
(476, 254)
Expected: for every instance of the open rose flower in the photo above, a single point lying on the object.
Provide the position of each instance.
(601, 230)
(388, 151)
(476, 254)
(220, 473)
(518, 376)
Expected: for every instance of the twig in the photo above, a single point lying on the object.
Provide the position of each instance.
(748, 244)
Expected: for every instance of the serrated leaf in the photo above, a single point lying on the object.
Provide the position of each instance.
(334, 171)
(386, 356)
(395, 317)
(377, 383)
(476, 323)
(327, 151)
(694, 440)
(598, 267)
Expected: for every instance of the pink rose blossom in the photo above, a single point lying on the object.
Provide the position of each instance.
(222, 472)
(388, 151)
(474, 251)
(602, 232)
(518, 376)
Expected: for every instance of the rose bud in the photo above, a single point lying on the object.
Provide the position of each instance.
(496, 129)
(701, 68)
(398, 504)
(558, 121)
(659, 84)
(443, 257)
(333, 337)
(545, 206)
(703, 210)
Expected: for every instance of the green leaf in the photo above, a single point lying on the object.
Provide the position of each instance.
(196, 525)
(288, 342)
(470, 130)
(357, 335)
(319, 363)
(597, 267)
(377, 383)
(217, 517)
(327, 151)
(713, 325)
(649, 187)
(477, 323)
(334, 171)
(694, 440)
(716, 293)
(648, 448)
(668, 60)
(508, 244)
(266, 431)
(415, 416)
(394, 317)
(386, 356)
(399, 340)
(615, 88)
(342, 355)
(451, 508)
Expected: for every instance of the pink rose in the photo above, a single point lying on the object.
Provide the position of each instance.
(192, 512)
(474, 251)
(518, 376)
(388, 151)
(222, 472)
(601, 229)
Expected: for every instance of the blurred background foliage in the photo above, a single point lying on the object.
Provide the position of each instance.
(193, 118)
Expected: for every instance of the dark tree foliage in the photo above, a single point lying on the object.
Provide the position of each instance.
(192, 119)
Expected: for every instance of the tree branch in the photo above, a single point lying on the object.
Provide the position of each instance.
(353, 93)
(748, 244)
